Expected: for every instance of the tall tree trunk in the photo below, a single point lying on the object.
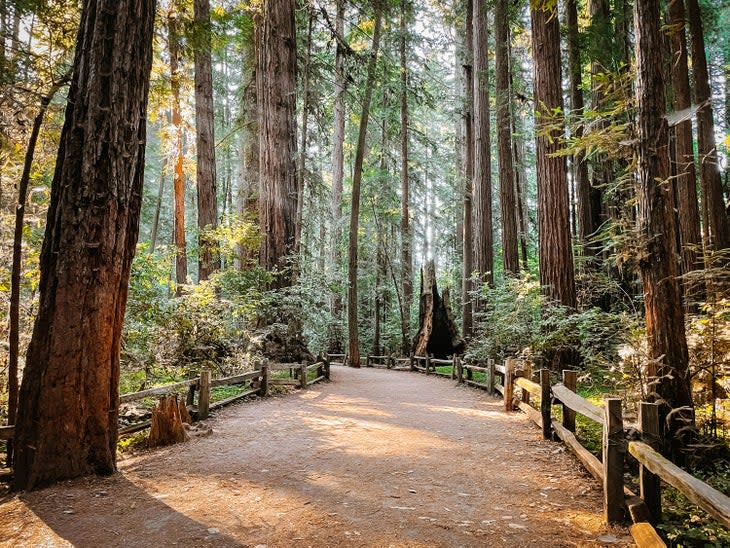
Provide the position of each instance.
(181, 256)
(209, 260)
(664, 314)
(602, 175)
(508, 201)
(354, 341)
(16, 269)
(482, 182)
(468, 258)
(158, 209)
(67, 418)
(556, 253)
(248, 192)
(302, 164)
(338, 151)
(715, 219)
(276, 92)
(586, 224)
(686, 180)
(405, 221)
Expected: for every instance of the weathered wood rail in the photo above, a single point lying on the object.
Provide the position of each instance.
(620, 503)
(258, 382)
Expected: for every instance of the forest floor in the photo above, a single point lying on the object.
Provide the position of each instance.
(373, 458)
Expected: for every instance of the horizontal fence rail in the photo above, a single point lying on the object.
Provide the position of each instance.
(258, 381)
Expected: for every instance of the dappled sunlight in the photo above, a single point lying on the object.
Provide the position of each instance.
(461, 411)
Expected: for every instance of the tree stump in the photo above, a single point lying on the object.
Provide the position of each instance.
(167, 425)
(438, 334)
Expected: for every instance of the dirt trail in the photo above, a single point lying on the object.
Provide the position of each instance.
(374, 458)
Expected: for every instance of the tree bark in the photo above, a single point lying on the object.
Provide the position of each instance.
(209, 259)
(338, 151)
(556, 254)
(468, 258)
(507, 183)
(685, 182)
(482, 182)
(67, 419)
(181, 257)
(405, 221)
(715, 219)
(302, 164)
(158, 209)
(586, 222)
(276, 92)
(354, 341)
(658, 265)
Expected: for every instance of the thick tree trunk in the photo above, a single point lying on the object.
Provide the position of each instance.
(276, 91)
(209, 260)
(556, 253)
(507, 184)
(468, 258)
(354, 340)
(67, 419)
(586, 223)
(715, 219)
(685, 182)
(482, 182)
(181, 257)
(405, 221)
(338, 151)
(658, 265)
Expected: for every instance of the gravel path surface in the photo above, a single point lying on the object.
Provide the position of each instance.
(373, 458)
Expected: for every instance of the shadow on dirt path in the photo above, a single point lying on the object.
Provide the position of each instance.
(374, 458)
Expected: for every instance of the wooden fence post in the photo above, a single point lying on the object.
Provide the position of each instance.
(326, 370)
(650, 484)
(527, 374)
(190, 398)
(204, 394)
(303, 375)
(454, 360)
(570, 382)
(264, 388)
(367, 362)
(413, 362)
(491, 380)
(459, 371)
(428, 364)
(546, 404)
(509, 379)
(614, 448)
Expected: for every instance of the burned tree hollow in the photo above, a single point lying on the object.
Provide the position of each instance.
(438, 334)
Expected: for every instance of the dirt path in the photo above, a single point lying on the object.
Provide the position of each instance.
(374, 458)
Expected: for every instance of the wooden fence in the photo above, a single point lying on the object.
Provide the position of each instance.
(514, 381)
(254, 382)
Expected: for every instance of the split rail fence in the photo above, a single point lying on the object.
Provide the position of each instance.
(253, 382)
(513, 380)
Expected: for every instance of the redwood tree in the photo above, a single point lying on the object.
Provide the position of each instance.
(67, 420)
(482, 181)
(405, 221)
(507, 183)
(657, 228)
(276, 93)
(556, 254)
(205, 134)
(353, 337)
(468, 256)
